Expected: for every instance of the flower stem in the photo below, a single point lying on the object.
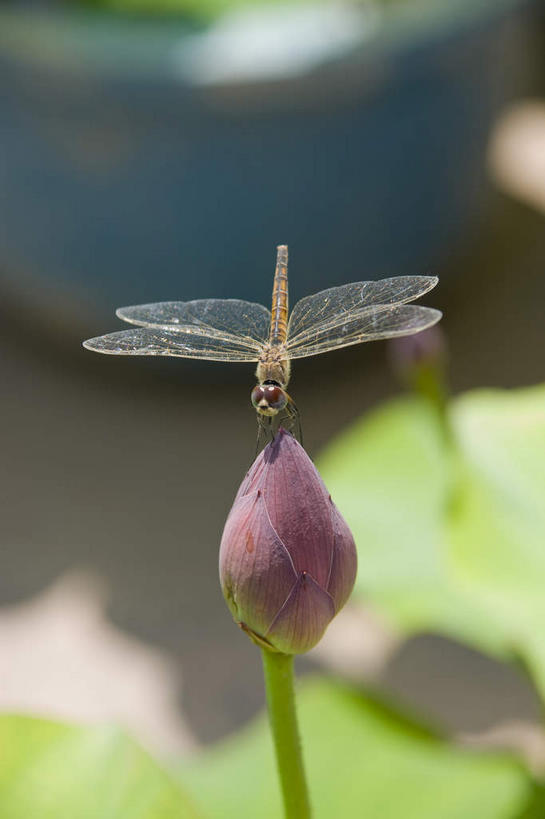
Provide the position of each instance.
(278, 670)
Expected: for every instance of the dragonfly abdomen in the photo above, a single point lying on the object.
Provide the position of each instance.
(279, 311)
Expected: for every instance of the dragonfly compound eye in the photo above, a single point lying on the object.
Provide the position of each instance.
(269, 397)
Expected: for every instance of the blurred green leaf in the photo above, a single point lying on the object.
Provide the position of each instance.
(535, 806)
(362, 761)
(451, 536)
(54, 771)
(203, 9)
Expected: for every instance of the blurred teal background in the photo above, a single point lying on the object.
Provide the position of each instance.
(145, 158)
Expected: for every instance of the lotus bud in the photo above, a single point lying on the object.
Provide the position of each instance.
(287, 557)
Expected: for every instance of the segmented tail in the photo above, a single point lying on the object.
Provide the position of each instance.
(279, 311)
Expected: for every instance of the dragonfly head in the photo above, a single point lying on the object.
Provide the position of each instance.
(269, 398)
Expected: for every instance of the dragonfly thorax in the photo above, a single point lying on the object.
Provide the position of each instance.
(269, 398)
(273, 365)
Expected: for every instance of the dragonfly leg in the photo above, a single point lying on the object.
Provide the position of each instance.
(261, 431)
(295, 420)
(264, 430)
(257, 440)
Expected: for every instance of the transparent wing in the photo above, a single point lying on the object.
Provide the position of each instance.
(335, 307)
(221, 318)
(369, 324)
(149, 341)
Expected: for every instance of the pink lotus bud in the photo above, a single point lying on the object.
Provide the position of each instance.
(287, 557)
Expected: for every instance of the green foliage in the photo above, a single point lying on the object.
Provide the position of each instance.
(362, 760)
(450, 525)
(535, 807)
(203, 9)
(54, 771)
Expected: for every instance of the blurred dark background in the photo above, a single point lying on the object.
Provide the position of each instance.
(143, 159)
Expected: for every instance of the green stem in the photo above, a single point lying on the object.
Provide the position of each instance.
(278, 670)
(429, 382)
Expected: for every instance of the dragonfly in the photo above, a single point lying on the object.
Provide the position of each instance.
(243, 331)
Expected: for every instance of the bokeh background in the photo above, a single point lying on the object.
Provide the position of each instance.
(155, 153)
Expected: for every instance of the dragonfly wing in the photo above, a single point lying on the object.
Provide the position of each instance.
(151, 341)
(369, 324)
(337, 304)
(247, 321)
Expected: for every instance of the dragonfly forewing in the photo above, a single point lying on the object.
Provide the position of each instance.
(248, 321)
(338, 304)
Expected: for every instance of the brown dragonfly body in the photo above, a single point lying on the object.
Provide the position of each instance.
(273, 368)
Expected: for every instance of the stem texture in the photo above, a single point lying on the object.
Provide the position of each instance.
(278, 670)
